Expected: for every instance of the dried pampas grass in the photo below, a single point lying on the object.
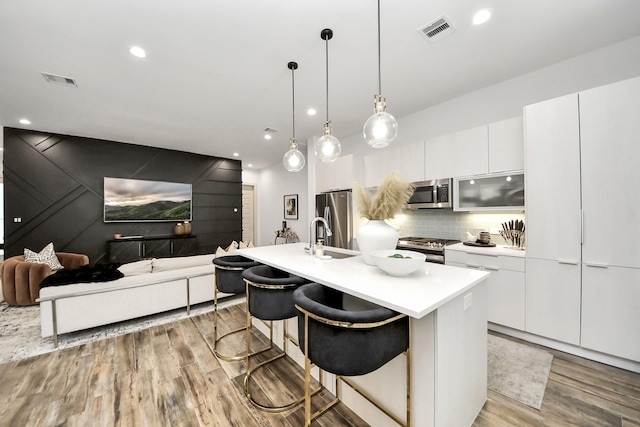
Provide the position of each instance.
(388, 200)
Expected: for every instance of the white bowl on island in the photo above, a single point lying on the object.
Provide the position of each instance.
(398, 262)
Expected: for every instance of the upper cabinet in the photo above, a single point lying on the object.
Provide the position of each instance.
(470, 151)
(438, 162)
(493, 148)
(489, 192)
(336, 175)
(506, 145)
(407, 159)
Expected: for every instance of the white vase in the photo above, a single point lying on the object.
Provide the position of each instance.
(374, 235)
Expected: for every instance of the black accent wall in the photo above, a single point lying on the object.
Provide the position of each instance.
(54, 183)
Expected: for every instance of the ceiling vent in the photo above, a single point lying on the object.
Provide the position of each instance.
(436, 30)
(270, 130)
(52, 78)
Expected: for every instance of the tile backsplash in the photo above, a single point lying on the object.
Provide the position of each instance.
(447, 224)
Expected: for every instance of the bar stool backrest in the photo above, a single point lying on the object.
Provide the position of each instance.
(348, 337)
(229, 270)
(271, 292)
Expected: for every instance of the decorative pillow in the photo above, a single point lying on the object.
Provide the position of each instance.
(45, 256)
(229, 251)
(135, 268)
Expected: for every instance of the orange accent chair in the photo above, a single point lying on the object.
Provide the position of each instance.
(21, 280)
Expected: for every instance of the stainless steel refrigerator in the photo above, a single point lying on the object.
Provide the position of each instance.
(335, 208)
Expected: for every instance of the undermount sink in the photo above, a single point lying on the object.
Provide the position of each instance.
(338, 255)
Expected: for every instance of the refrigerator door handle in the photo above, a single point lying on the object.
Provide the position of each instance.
(327, 217)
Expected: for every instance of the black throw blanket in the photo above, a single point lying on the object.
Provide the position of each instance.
(83, 274)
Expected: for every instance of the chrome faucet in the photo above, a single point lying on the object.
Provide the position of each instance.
(311, 228)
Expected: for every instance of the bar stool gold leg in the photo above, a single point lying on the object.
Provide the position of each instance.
(250, 370)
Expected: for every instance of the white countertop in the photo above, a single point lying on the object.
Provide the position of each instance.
(415, 295)
(504, 250)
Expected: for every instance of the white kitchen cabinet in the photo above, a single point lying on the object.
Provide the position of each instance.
(407, 159)
(470, 151)
(505, 285)
(462, 153)
(506, 145)
(552, 186)
(610, 307)
(438, 158)
(553, 299)
(583, 269)
(610, 150)
(609, 129)
(552, 179)
(332, 176)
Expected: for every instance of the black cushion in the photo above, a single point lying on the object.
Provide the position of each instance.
(348, 351)
(272, 297)
(230, 281)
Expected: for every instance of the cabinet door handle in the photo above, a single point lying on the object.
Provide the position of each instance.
(597, 265)
(582, 226)
(143, 250)
(486, 267)
(171, 247)
(475, 253)
(473, 265)
(567, 262)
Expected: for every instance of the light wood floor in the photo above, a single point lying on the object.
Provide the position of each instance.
(167, 376)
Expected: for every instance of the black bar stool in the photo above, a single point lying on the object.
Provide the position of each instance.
(349, 340)
(228, 279)
(270, 297)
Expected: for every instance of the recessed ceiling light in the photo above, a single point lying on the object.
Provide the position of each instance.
(137, 51)
(267, 136)
(481, 16)
(250, 165)
(25, 121)
(311, 111)
(236, 154)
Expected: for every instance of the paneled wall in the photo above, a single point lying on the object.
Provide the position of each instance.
(54, 184)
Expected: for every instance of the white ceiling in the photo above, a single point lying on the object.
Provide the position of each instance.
(216, 72)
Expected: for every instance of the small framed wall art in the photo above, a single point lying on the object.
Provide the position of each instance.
(291, 206)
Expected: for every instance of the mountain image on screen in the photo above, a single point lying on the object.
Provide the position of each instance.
(143, 200)
(154, 211)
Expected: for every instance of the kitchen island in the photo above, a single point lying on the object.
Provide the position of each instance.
(448, 310)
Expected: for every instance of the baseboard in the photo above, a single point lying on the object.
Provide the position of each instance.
(607, 359)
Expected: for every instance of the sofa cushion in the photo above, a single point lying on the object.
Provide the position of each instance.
(166, 264)
(46, 256)
(136, 267)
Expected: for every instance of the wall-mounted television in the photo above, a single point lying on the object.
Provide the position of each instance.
(137, 200)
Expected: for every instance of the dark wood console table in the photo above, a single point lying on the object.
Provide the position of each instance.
(135, 248)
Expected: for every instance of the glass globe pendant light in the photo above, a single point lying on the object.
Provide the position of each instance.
(293, 159)
(327, 147)
(381, 128)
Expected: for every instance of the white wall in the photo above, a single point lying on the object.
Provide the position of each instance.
(273, 183)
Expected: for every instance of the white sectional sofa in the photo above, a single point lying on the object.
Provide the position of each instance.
(148, 287)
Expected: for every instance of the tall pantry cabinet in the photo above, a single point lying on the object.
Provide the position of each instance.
(583, 219)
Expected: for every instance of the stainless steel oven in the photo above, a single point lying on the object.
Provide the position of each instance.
(433, 248)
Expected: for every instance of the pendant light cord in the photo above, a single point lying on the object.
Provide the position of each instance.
(379, 55)
(293, 101)
(327, 72)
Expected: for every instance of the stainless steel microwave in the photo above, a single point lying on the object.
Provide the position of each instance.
(431, 194)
